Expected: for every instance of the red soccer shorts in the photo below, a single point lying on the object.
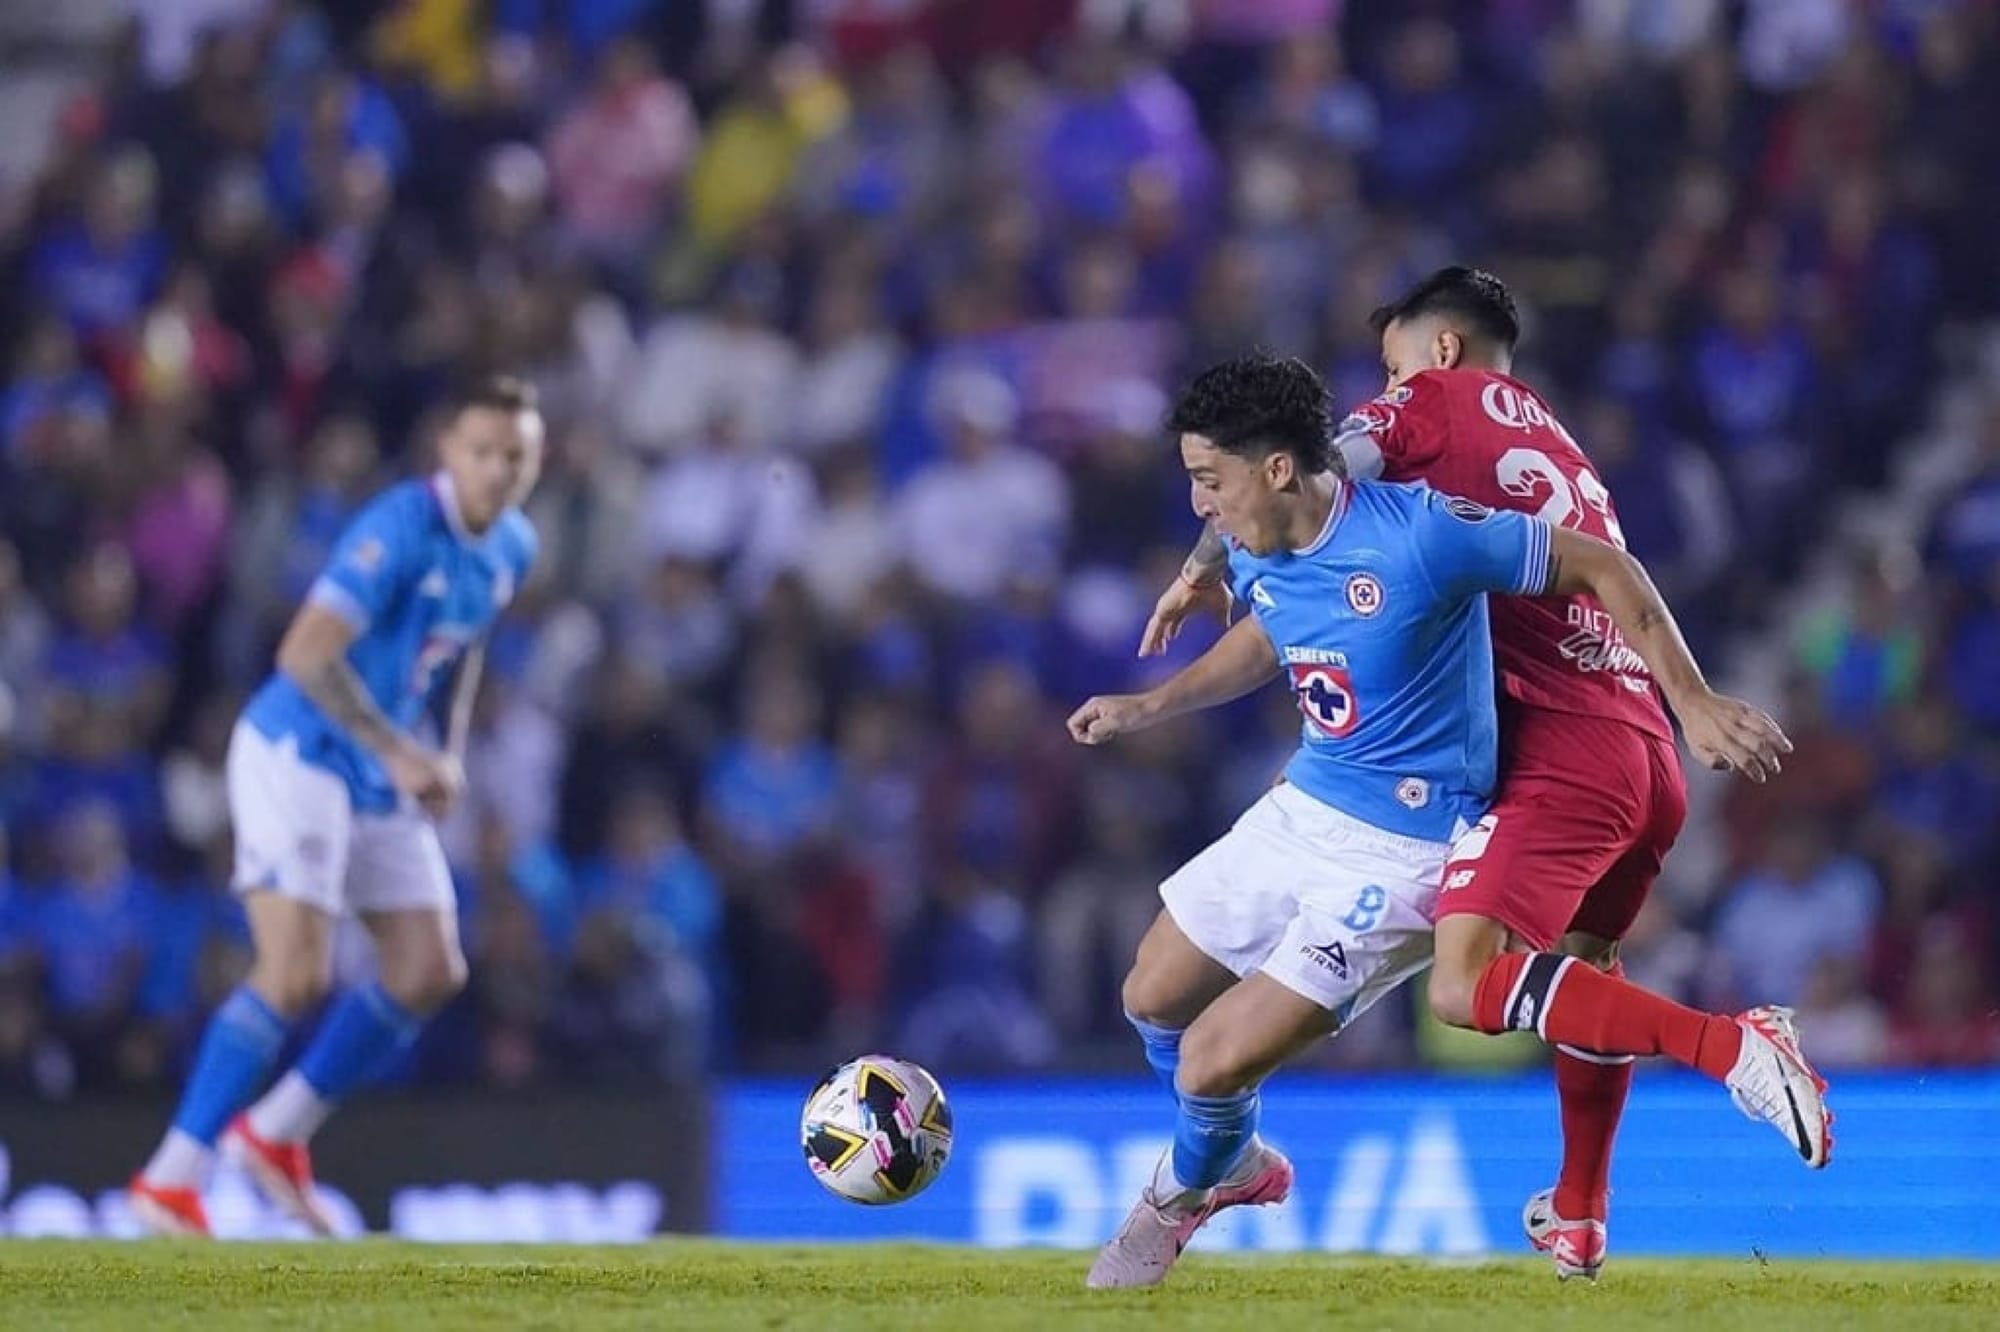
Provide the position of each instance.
(1586, 812)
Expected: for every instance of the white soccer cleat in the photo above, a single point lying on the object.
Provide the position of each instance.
(1576, 1246)
(1773, 1082)
(1158, 1229)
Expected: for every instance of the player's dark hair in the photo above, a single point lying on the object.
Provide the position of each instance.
(1259, 404)
(1472, 295)
(500, 393)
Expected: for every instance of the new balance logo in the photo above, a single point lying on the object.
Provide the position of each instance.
(1327, 956)
(1261, 597)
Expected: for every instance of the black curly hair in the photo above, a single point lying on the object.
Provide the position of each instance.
(1473, 295)
(1259, 404)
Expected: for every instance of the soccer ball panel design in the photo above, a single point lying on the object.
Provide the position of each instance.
(876, 1130)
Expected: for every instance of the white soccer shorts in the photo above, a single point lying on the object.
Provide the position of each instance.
(298, 834)
(1333, 909)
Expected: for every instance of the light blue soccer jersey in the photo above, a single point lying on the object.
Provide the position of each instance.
(1380, 626)
(418, 589)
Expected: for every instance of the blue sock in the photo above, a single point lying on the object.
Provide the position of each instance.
(1163, 1049)
(360, 1038)
(243, 1040)
(1209, 1136)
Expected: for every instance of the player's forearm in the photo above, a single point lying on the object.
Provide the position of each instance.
(340, 694)
(1581, 564)
(1240, 661)
(1208, 560)
(465, 694)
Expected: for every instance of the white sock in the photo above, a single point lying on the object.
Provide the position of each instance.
(290, 1112)
(180, 1162)
(1168, 1191)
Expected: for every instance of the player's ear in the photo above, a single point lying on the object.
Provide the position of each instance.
(1279, 469)
(1447, 348)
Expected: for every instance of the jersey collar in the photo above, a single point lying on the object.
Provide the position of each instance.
(447, 500)
(1333, 516)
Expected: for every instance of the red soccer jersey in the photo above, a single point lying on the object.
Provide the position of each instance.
(1490, 438)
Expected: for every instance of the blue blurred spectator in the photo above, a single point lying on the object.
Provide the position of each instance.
(100, 270)
(345, 117)
(774, 783)
(96, 929)
(1805, 904)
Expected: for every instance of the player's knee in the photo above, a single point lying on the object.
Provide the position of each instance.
(1146, 999)
(1213, 1063)
(427, 983)
(293, 985)
(1451, 995)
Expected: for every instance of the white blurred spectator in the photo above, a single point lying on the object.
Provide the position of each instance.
(988, 510)
(691, 368)
(853, 543)
(850, 362)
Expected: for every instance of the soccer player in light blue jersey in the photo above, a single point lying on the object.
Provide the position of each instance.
(332, 798)
(1369, 599)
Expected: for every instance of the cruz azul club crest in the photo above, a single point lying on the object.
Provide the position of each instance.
(1326, 697)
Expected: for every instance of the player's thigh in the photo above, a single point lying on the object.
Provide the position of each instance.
(1609, 907)
(1172, 981)
(1246, 1034)
(418, 955)
(1229, 906)
(1532, 857)
(292, 823)
(400, 884)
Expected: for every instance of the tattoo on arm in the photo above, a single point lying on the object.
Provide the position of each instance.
(344, 699)
(1553, 579)
(1652, 616)
(1208, 559)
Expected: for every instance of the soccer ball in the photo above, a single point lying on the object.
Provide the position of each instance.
(876, 1130)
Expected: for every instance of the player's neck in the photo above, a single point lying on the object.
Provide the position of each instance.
(1309, 513)
(454, 515)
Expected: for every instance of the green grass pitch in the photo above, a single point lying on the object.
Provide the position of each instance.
(701, 1284)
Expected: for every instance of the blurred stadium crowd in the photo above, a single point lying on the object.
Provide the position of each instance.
(853, 320)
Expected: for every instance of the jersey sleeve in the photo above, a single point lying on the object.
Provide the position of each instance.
(1397, 435)
(371, 564)
(1467, 548)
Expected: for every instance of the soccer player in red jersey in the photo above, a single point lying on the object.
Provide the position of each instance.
(1591, 795)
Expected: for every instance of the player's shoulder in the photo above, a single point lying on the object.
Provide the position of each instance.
(1405, 503)
(1392, 501)
(403, 510)
(517, 537)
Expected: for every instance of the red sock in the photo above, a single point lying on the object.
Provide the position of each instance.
(1592, 1094)
(1567, 1002)
(1591, 1089)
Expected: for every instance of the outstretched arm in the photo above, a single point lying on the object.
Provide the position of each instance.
(1241, 660)
(1724, 733)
